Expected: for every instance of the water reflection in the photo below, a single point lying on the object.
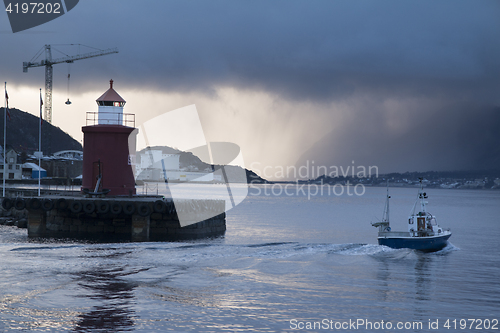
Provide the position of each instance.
(412, 275)
(423, 280)
(383, 275)
(115, 295)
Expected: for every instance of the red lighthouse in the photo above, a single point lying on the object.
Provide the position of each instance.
(107, 158)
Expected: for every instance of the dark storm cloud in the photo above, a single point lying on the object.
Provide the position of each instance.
(299, 49)
(450, 137)
(327, 52)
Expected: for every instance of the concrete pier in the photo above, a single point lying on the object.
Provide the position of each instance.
(37, 222)
(140, 228)
(137, 219)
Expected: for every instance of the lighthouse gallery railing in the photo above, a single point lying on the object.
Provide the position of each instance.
(111, 118)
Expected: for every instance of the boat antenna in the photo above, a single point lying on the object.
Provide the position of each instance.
(422, 196)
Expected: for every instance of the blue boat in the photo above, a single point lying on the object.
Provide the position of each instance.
(424, 234)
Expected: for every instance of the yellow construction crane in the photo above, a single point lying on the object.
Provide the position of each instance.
(48, 62)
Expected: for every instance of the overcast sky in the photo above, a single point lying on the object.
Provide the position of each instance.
(405, 85)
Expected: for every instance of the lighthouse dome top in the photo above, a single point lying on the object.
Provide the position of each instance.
(110, 97)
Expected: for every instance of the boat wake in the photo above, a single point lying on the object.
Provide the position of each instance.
(281, 250)
(201, 252)
(447, 249)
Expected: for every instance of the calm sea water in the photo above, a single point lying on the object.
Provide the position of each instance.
(286, 262)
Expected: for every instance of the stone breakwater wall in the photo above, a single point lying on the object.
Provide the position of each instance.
(14, 217)
(120, 219)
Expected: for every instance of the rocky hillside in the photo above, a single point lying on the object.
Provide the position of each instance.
(22, 134)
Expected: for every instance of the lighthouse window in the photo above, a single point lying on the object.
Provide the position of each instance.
(110, 103)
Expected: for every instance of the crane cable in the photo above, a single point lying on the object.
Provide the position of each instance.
(68, 102)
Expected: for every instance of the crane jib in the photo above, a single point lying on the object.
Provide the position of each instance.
(48, 62)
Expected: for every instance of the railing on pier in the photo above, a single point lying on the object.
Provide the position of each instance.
(152, 187)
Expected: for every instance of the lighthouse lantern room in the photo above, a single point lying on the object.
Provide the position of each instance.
(110, 107)
(109, 149)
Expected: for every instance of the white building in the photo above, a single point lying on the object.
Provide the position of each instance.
(12, 169)
(153, 165)
(152, 157)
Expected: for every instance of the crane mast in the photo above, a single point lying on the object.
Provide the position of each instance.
(47, 112)
(48, 62)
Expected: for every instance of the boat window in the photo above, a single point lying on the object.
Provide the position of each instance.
(433, 221)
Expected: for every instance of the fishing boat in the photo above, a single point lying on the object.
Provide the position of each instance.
(423, 233)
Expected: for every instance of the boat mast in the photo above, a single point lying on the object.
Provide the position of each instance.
(383, 226)
(385, 216)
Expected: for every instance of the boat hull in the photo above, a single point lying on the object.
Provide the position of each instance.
(425, 244)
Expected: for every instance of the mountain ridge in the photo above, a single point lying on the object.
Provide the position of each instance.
(22, 134)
